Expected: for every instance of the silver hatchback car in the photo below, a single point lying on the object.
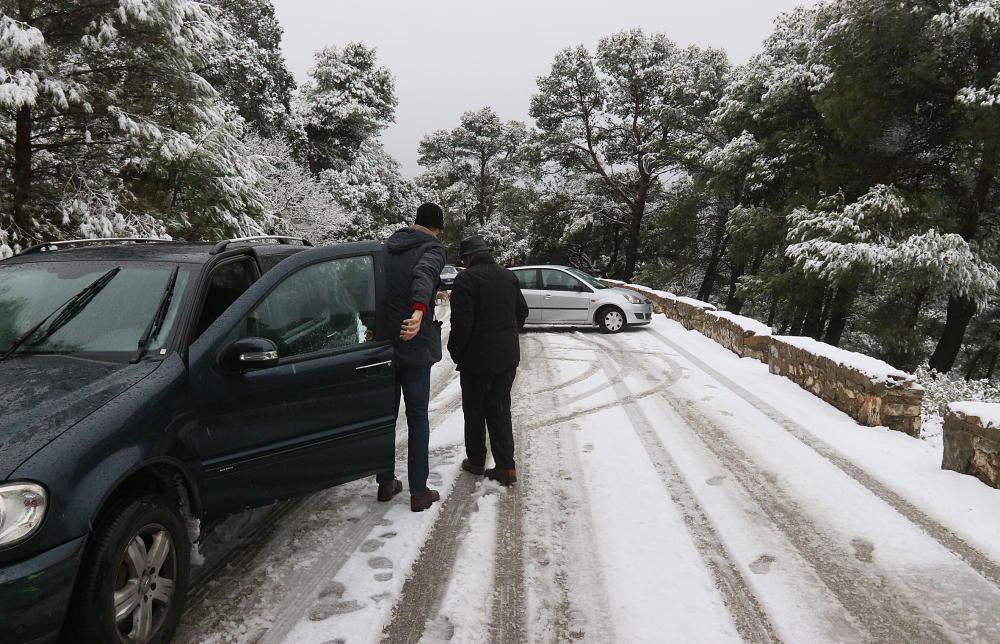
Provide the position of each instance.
(562, 295)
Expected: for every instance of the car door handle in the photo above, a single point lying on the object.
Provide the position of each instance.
(372, 366)
(548, 295)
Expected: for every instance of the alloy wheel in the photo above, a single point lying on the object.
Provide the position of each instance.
(144, 584)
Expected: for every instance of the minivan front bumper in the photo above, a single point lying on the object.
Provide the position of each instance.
(35, 594)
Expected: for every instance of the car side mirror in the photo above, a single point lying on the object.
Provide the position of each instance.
(249, 353)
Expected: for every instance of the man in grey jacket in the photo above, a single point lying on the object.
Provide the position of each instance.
(414, 259)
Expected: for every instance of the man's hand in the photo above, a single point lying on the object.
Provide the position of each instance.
(411, 326)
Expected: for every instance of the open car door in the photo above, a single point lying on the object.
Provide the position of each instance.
(294, 382)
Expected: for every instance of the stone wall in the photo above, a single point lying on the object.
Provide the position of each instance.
(893, 401)
(972, 446)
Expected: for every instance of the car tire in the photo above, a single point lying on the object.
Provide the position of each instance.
(611, 319)
(134, 579)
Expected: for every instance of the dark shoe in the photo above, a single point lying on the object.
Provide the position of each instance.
(468, 466)
(420, 502)
(503, 477)
(389, 489)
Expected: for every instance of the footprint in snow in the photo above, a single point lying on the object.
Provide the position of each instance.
(589, 447)
(333, 589)
(371, 545)
(711, 386)
(725, 413)
(434, 478)
(387, 535)
(379, 563)
(383, 576)
(762, 565)
(863, 550)
(384, 522)
(339, 640)
(326, 611)
(716, 480)
(439, 629)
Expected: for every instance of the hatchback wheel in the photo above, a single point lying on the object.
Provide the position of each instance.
(611, 319)
(136, 575)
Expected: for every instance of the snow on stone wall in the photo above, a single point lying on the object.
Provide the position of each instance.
(869, 390)
(972, 441)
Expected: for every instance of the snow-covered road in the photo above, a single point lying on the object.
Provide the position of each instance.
(670, 492)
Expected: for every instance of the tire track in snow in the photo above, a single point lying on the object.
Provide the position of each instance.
(423, 591)
(980, 562)
(871, 598)
(748, 615)
(567, 591)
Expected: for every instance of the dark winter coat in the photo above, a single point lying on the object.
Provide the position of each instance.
(487, 311)
(414, 260)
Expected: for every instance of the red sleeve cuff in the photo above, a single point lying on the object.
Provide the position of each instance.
(419, 306)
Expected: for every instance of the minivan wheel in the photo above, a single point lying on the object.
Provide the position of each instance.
(136, 576)
(611, 319)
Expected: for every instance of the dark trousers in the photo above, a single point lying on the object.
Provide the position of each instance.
(486, 404)
(415, 385)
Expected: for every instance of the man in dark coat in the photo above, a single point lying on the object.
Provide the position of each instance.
(414, 259)
(487, 311)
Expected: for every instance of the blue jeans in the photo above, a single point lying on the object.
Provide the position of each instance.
(415, 385)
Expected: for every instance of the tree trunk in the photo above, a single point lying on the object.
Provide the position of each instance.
(734, 304)
(712, 270)
(813, 324)
(632, 247)
(839, 310)
(22, 171)
(960, 311)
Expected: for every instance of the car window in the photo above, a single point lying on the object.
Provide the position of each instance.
(111, 322)
(588, 279)
(324, 306)
(553, 280)
(527, 278)
(449, 270)
(227, 283)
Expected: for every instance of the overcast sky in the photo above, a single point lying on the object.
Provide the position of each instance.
(450, 56)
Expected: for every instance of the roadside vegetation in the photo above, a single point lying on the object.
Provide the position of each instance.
(842, 184)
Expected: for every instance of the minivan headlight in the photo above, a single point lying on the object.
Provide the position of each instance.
(633, 299)
(22, 508)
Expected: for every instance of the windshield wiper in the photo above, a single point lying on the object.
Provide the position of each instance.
(158, 317)
(67, 311)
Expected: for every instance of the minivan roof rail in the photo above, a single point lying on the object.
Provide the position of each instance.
(222, 245)
(41, 248)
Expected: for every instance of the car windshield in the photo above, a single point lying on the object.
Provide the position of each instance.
(111, 320)
(449, 270)
(591, 281)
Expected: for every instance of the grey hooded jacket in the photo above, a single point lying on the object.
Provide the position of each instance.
(413, 270)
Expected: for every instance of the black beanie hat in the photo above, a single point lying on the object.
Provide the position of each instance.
(430, 215)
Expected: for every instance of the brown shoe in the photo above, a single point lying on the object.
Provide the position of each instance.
(471, 468)
(420, 502)
(503, 477)
(389, 489)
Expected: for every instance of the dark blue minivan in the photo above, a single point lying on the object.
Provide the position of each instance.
(149, 388)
